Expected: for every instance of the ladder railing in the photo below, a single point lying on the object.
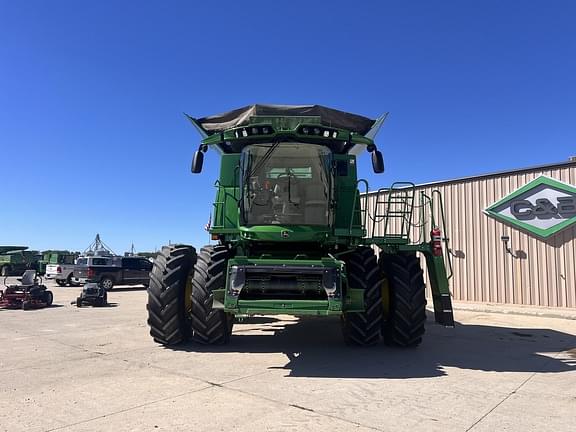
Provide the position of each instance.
(360, 213)
(394, 206)
(405, 218)
(221, 206)
(437, 218)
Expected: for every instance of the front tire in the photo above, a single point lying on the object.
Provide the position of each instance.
(168, 314)
(406, 319)
(210, 326)
(364, 328)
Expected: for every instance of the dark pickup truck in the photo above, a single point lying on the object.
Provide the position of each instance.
(113, 270)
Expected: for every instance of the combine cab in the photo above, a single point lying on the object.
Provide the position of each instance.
(293, 236)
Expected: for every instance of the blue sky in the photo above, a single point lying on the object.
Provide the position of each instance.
(92, 136)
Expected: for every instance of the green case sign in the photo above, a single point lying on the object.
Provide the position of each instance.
(542, 207)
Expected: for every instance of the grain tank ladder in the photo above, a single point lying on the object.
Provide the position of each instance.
(402, 223)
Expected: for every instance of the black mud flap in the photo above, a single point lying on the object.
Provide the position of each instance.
(443, 313)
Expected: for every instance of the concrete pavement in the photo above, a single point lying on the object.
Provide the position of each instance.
(97, 369)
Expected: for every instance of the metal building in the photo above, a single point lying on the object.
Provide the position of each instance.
(512, 235)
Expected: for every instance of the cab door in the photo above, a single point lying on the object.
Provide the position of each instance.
(130, 268)
(144, 269)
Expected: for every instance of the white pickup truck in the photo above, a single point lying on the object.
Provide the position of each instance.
(60, 267)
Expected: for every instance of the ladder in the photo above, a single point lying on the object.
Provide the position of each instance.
(394, 206)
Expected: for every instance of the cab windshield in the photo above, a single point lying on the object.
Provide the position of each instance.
(286, 184)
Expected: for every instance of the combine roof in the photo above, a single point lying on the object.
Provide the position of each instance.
(329, 117)
(6, 249)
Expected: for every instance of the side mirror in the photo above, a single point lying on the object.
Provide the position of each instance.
(377, 162)
(197, 162)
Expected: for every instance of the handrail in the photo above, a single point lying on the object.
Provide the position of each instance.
(442, 220)
(413, 216)
(444, 239)
(420, 225)
(400, 193)
(376, 217)
(427, 201)
(222, 205)
(357, 197)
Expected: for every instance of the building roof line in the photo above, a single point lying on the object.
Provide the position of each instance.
(493, 174)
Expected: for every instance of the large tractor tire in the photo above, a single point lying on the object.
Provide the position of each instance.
(169, 294)
(364, 328)
(210, 326)
(406, 299)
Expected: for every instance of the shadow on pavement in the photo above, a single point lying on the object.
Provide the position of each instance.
(314, 348)
(52, 306)
(86, 306)
(127, 288)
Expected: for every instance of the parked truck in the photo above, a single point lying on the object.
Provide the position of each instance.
(292, 236)
(109, 271)
(60, 266)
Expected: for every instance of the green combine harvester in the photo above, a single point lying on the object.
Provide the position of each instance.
(292, 236)
(15, 260)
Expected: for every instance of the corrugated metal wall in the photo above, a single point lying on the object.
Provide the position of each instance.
(542, 273)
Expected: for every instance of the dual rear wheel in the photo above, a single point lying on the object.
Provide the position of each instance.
(180, 296)
(394, 299)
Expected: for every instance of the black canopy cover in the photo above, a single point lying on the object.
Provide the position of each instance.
(329, 117)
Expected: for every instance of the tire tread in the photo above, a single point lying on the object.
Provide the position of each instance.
(364, 328)
(406, 322)
(167, 318)
(210, 326)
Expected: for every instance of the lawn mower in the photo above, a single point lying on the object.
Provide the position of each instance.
(28, 295)
(92, 294)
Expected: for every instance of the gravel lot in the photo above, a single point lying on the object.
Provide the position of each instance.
(97, 369)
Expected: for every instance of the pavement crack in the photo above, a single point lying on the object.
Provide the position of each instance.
(79, 348)
(127, 409)
(522, 384)
(209, 385)
(214, 384)
(300, 407)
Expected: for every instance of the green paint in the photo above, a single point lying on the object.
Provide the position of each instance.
(283, 263)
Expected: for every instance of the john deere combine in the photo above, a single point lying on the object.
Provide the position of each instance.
(292, 235)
